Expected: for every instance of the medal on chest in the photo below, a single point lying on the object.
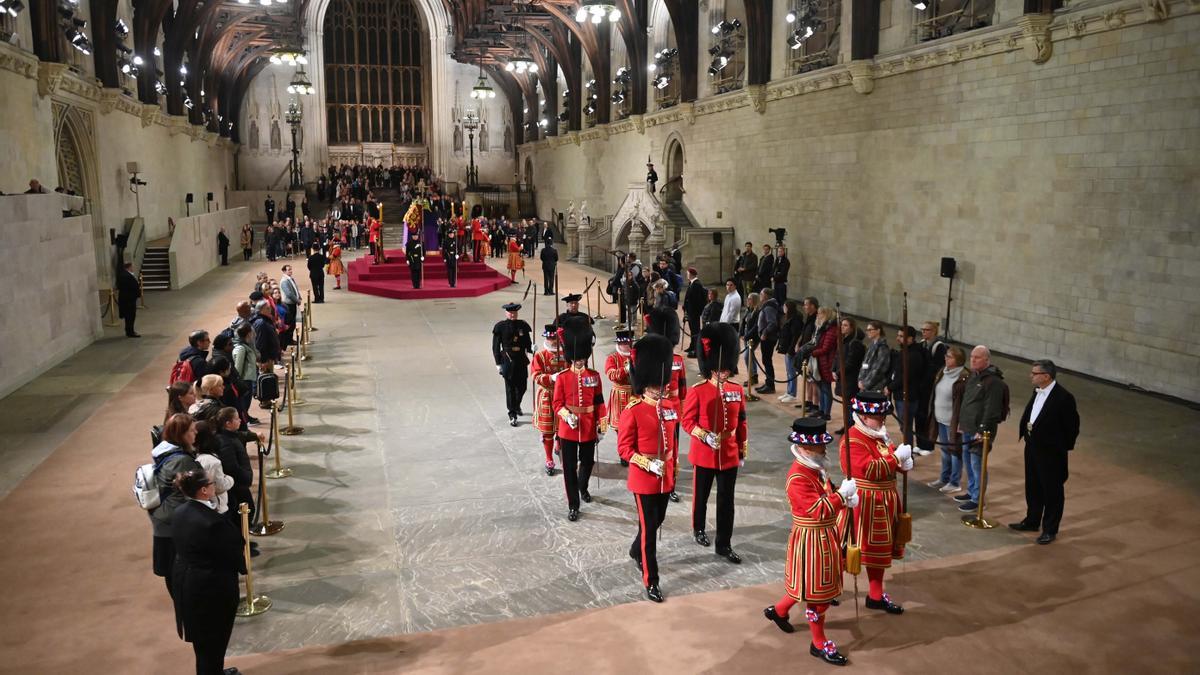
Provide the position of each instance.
(670, 415)
(732, 396)
(589, 381)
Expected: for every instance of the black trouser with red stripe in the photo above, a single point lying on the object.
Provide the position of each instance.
(702, 484)
(578, 459)
(652, 511)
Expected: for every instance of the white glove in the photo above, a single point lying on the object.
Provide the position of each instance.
(906, 465)
(599, 435)
(499, 369)
(657, 467)
(853, 501)
(554, 377)
(848, 489)
(573, 420)
(904, 453)
(711, 440)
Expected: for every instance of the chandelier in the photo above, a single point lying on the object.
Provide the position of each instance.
(300, 84)
(289, 56)
(481, 90)
(596, 10)
(520, 65)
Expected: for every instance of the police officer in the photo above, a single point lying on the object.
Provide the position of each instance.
(414, 253)
(511, 345)
(450, 254)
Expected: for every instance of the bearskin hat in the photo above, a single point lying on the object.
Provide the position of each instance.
(652, 357)
(718, 349)
(575, 337)
(664, 322)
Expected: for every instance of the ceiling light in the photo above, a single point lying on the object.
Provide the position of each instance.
(919, 5)
(597, 11)
(791, 16)
(482, 90)
(300, 84)
(157, 51)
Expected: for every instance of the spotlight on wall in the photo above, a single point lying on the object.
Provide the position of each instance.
(919, 5)
(11, 7)
(727, 27)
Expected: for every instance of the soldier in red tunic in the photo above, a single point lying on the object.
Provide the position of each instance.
(714, 414)
(646, 440)
(617, 369)
(813, 574)
(578, 403)
(873, 466)
(665, 322)
(547, 364)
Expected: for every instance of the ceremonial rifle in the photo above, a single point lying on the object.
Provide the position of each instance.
(904, 525)
(853, 552)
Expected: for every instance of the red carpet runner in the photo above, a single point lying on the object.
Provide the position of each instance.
(393, 280)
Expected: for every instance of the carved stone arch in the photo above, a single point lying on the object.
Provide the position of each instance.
(674, 160)
(75, 156)
(528, 173)
(631, 236)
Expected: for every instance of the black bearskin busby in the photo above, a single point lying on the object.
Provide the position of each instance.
(718, 349)
(576, 338)
(652, 357)
(664, 322)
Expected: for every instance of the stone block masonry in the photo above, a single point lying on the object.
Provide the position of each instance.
(1069, 192)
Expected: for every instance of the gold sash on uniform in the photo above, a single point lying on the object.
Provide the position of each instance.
(875, 485)
(813, 522)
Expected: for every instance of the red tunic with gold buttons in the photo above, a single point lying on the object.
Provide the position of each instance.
(581, 393)
(648, 427)
(873, 467)
(677, 387)
(545, 364)
(616, 369)
(722, 412)
(814, 553)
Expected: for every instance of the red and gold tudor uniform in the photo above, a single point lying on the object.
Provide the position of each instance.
(813, 573)
(578, 403)
(617, 369)
(647, 441)
(873, 464)
(547, 363)
(714, 414)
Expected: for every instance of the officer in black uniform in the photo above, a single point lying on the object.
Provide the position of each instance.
(572, 302)
(414, 253)
(450, 254)
(511, 346)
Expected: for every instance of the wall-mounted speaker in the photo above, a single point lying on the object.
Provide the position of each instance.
(949, 267)
(717, 238)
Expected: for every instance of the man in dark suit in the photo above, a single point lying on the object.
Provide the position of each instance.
(128, 290)
(694, 301)
(549, 268)
(1049, 427)
(269, 207)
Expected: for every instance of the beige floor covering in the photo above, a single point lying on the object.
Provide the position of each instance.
(1117, 593)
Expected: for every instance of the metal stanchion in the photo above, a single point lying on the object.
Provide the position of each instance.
(599, 305)
(308, 310)
(977, 521)
(251, 605)
(141, 293)
(269, 527)
(279, 471)
(112, 308)
(293, 398)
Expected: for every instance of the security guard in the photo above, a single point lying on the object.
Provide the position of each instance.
(450, 254)
(414, 254)
(511, 345)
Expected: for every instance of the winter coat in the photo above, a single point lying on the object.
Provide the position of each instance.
(876, 367)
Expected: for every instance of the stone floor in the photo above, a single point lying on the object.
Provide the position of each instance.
(415, 507)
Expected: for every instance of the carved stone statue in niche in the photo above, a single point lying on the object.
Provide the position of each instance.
(276, 137)
(458, 142)
(253, 134)
(508, 146)
(483, 136)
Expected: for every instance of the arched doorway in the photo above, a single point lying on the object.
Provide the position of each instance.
(673, 189)
(70, 161)
(528, 173)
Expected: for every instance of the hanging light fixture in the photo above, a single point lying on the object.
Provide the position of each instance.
(288, 56)
(596, 10)
(300, 84)
(520, 65)
(482, 90)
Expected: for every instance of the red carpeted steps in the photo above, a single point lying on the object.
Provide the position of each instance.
(393, 280)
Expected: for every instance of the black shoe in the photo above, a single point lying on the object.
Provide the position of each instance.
(254, 552)
(624, 463)
(840, 431)
(963, 498)
(885, 604)
(781, 621)
(1046, 538)
(585, 496)
(834, 658)
(730, 555)
(835, 603)
(765, 389)
(549, 469)
(690, 355)
(231, 671)
(512, 420)
(701, 538)
(573, 515)
(653, 592)
(132, 335)
(674, 496)
(1023, 527)
(520, 412)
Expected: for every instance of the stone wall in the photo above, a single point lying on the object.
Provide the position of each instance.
(254, 200)
(50, 307)
(194, 244)
(1067, 190)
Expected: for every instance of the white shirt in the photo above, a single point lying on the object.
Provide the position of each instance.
(732, 311)
(1039, 400)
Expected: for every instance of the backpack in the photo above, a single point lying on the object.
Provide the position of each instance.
(182, 372)
(267, 387)
(145, 482)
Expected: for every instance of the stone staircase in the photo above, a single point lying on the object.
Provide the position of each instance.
(679, 219)
(156, 266)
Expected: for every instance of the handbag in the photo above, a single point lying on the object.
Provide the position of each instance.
(814, 372)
